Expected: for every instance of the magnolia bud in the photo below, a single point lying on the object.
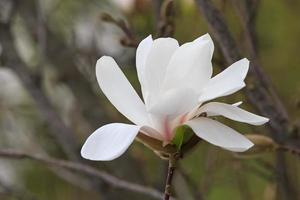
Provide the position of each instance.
(261, 143)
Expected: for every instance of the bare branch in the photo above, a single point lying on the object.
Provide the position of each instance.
(261, 94)
(129, 40)
(60, 131)
(85, 170)
(165, 25)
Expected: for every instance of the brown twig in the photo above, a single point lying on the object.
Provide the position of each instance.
(165, 23)
(85, 170)
(173, 158)
(129, 40)
(289, 149)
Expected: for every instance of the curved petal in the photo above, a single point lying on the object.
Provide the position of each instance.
(109, 141)
(190, 65)
(219, 134)
(141, 55)
(155, 67)
(226, 82)
(119, 91)
(175, 102)
(151, 132)
(237, 103)
(232, 112)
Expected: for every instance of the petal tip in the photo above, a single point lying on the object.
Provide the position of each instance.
(266, 120)
(244, 148)
(207, 36)
(250, 145)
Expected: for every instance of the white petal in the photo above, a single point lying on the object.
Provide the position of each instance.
(119, 91)
(206, 37)
(151, 132)
(237, 103)
(226, 82)
(232, 112)
(156, 64)
(190, 65)
(141, 55)
(219, 134)
(175, 102)
(109, 141)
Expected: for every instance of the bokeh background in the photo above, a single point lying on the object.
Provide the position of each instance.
(58, 43)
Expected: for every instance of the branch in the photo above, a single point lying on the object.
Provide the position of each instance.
(85, 170)
(261, 94)
(129, 40)
(165, 23)
(173, 158)
(59, 130)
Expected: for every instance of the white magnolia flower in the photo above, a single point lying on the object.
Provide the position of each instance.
(175, 82)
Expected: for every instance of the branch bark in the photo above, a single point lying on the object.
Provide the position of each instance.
(58, 129)
(85, 170)
(261, 94)
(173, 158)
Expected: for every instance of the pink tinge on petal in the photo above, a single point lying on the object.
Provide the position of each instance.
(183, 119)
(167, 129)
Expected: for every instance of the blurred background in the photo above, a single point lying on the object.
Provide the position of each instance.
(50, 101)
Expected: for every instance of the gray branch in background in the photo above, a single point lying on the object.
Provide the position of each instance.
(63, 134)
(59, 130)
(85, 170)
(261, 94)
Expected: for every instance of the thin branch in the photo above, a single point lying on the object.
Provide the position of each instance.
(173, 158)
(59, 130)
(261, 94)
(166, 24)
(129, 40)
(289, 149)
(85, 170)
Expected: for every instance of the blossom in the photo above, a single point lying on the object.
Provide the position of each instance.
(176, 81)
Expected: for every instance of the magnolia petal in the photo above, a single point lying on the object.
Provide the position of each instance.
(232, 112)
(206, 37)
(155, 66)
(151, 132)
(175, 102)
(119, 91)
(237, 103)
(109, 141)
(219, 134)
(226, 82)
(190, 65)
(142, 52)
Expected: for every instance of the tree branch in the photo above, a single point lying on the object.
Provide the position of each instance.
(261, 94)
(85, 170)
(59, 130)
(173, 158)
